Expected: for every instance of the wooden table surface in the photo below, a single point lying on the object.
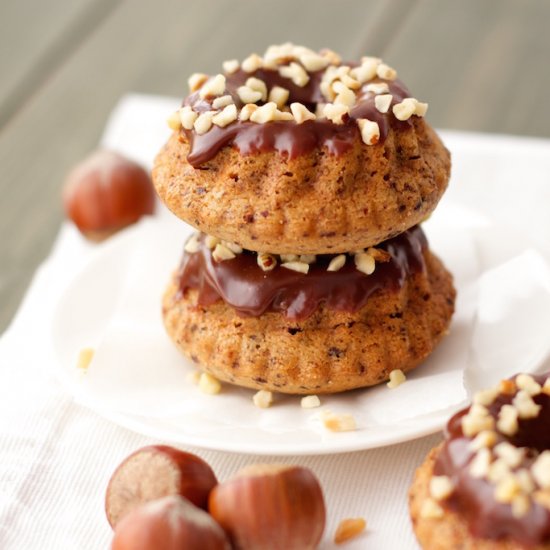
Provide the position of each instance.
(481, 64)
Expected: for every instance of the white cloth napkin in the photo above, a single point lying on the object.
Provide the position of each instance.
(57, 456)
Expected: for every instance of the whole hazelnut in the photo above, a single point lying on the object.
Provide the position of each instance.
(170, 523)
(106, 192)
(157, 471)
(270, 507)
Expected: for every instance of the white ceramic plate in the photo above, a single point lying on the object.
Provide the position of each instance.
(138, 380)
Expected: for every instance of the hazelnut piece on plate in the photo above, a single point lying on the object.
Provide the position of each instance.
(270, 507)
(154, 472)
(170, 523)
(107, 192)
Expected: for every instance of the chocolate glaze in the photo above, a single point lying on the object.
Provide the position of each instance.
(287, 137)
(473, 497)
(243, 285)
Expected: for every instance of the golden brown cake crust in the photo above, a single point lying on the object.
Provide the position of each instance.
(330, 351)
(315, 203)
(451, 531)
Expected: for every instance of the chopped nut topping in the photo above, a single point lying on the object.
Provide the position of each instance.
(405, 109)
(479, 466)
(525, 405)
(507, 387)
(383, 102)
(546, 387)
(365, 263)
(386, 72)
(498, 470)
(313, 62)
(222, 253)
(348, 529)
(258, 86)
(350, 82)
(277, 54)
(227, 116)
(485, 397)
(541, 470)
(265, 113)
(507, 489)
(196, 80)
(213, 87)
(266, 261)
(332, 57)
(278, 95)
(221, 102)
(477, 420)
(187, 117)
(379, 254)
(252, 63)
(203, 123)
(338, 422)
(192, 245)
(85, 356)
(211, 241)
(263, 399)
(521, 504)
(209, 385)
(296, 73)
(337, 263)
(421, 109)
(248, 95)
(301, 113)
(441, 487)
(366, 71)
(289, 257)
(370, 131)
(300, 267)
(507, 422)
(431, 510)
(482, 440)
(377, 88)
(525, 480)
(234, 247)
(527, 383)
(173, 121)
(310, 402)
(335, 113)
(510, 454)
(283, 115)
(345, 96)
(231, 66)
(246, 111)
(308, 258)
(397, 377)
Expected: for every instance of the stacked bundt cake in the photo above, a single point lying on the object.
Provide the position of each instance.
(306, 178)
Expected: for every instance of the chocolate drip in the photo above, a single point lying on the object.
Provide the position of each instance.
(287, 137)
(243, 285)
(474, 497)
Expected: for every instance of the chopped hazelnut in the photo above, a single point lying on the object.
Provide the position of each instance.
(313, 62)
(192, 245)
(263, 399)
(196, 80)
(527, 383)
(221, 102)
(397, 377)
(441, 487)
(507, 387)
(226, 116)
(213, 87)
(310, 402)
(379, 254)
(210, 241)
(278, 95)
(421, 109)
(510, 454)
(252, 63)
(366, 71)
(187, 117)
(209, 385)
(386, 72)
(335, 113)
(479, 466)
(248, 95)
(296, 73)
(383, 102)
(525, 480)
(222, 253)
(231, 66)
(289, 257)
(525, 405)
(348, 529)
(431, 510)
(308, 258)
(332, 57)
(173, 121)
(507, 489)
(203, 123)
(246, 111)
(477, 420)
(234, 247)
(338, 422)
(507, 422)
(301, 113)
(546, 387)
(521, 504)
(370, 131)
(405, 109)
(283, 115)
(377, 88)
(85, 356)
(345, 97)
(541, 470)
(498, 470)
(485, 397)
(337, 263)
(265, 113)
(300, 267)
(484, 439)
(266, 261)
(350, 82)
(258, 86)
(365, 263)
